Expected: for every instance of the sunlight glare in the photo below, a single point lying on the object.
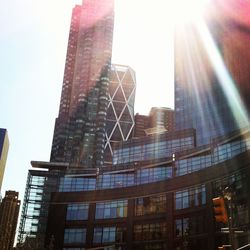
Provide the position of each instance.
(227, 83)
(187, 11)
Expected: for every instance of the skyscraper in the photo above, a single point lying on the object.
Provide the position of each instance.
(79, 134)
(141, 123)
(4, 147)
(9, 210)
(162, 117)
(120, 113)
(212, 73)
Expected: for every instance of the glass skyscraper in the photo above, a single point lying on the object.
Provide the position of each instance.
(212, 75)
(120, 113)
(79, 134)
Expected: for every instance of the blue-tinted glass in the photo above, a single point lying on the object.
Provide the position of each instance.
(97, 235)
(74, 235)
(112, 209)
(77, 212)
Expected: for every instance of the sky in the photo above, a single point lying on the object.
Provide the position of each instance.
(33, 42)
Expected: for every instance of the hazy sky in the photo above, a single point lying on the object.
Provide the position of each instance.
(33, 40)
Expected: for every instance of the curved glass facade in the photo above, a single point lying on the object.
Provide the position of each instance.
(178, 167)
(151, 151)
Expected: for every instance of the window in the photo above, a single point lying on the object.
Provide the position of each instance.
(186, 166)
(191, 197)
(189, 226)
(150, 205)
(74, 235)
(68, 184)
(153, 150)
(153, 231)
(181, 227)
(77, 211)
(107, 181)
(113, 209)
(109, 234)
(154, 174)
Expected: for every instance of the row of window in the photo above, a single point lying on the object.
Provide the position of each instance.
(220, 153)
(118, 209)
(184, 166)
(101, 235)
(113, 209)
(152, 231)
(69, 184)
(114, 234)
(190, 226)
(229, 150)
(77, 211)
(107, 181)
(75, 235)
(192, 197)
(150, 205)
(151, 151)
(109, 235)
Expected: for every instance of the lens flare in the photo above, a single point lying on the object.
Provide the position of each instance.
(187, 11)
(225, 79)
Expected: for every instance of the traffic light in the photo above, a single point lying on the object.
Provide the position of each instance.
(220, 210)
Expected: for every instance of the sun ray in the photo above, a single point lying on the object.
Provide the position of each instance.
(226, 81)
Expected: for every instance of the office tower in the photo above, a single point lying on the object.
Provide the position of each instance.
(141, 123)
(79, 135)
(152, 199)
(212, 73)
(162, 117)
(92, 209)
(4, 147)
(9, 210)
(120, 113)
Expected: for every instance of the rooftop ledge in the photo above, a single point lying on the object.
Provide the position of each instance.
(49, 165)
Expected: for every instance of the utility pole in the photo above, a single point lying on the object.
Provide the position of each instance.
(227, 193)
